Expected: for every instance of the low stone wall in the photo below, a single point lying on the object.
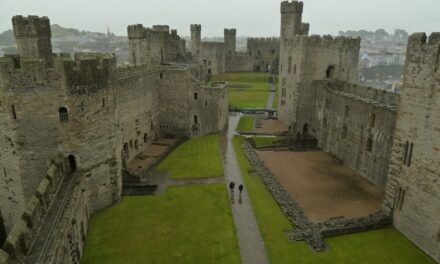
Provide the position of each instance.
(305, 230)
(22, 235)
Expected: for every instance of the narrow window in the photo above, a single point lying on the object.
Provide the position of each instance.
(103, 102)
(369, 144)
(372, 120)
(131, 144)
(82, 106)
(327, 103)
(206, 103)
(294, 69)
(405, 154)
(401, 199)
(204, 62)
(408, 161)
(161, 76)
(136, 144)
(259, 53)
(344, 132)
(325, 122)
(196, 96)
(347, 109)
(14, 114)
(145, 138)
(196, 119)
(64, 115)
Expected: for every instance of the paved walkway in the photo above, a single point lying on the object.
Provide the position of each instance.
(250, 242)
(271, 96)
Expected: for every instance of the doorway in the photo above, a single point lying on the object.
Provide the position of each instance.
(72, 164)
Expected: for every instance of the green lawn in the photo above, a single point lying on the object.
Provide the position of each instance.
(266, 141)
(377, 247)
(255, 93)
(246, 124)
(189, 224)
(196, 158)
(241, 77)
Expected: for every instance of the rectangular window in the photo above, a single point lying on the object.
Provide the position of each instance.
(347, 109)
(196, 119)
(196, 96)
(408, 161)
(372, 120)
(14, 115)
(344, 132)
(103, 102)
(402, 193)
(206, 103)
(370, 144)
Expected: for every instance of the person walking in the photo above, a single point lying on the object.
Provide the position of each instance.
(231, 187)
(240, 188)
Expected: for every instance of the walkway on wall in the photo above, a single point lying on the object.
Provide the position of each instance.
(44, 238)
(252, 249)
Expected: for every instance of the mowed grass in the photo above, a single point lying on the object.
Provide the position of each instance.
(189, 224)
(196, 158)
(266, 141)
(246, 124)
(377, 247)
(253, 96)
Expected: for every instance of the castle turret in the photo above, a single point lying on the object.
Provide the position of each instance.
(230, 40)
(291, 19)
(33, 37)
(196, 40)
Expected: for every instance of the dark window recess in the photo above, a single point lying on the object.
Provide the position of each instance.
(410, 152)
(372, 120)
(161, 76)
(72, 163)
(347, 109)
(196, 96)
(136, 144)
(369, 144)
(289, 66)
(196, 119)
(145, 138)
(330, 72)
(14, 114)
(103, 102)
(405, 153)
(344, 132)
(294, 69)
(400, 199)
(206, 103)
(64, 115)
(2, 231)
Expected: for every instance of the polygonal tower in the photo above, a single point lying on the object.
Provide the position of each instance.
(33, 37)
(196, 40)
(230, 40)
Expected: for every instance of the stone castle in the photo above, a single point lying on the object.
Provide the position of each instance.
(70, 125)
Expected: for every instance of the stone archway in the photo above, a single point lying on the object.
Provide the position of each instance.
(72, 163)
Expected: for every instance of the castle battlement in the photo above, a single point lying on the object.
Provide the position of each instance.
(327, 41)
(291, 7)
(136, 31)
(230, 31)
(422, 49)
(196, 27)
(162, 28)
(31, 26)
(263, 40)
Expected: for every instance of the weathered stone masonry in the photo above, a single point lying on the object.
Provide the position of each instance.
(97, 117)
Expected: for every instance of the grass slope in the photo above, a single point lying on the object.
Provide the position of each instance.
(196, 158)
(380, 246)
(173, 228)
(246, 124)
(266, 141)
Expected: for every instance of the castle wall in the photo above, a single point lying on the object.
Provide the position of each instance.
(413, 190)
(214, 57)
(266, 53)
(186, 98)
(356, 125)
(240, 62)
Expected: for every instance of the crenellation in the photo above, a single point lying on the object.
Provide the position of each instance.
(291, 7)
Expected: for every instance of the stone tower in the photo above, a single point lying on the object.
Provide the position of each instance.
(413, 190)
(230, 40)
(33, 37)
(291, 19)
(196, 40)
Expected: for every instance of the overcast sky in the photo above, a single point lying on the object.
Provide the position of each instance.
(250, 17)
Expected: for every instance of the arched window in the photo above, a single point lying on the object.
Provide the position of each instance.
(330, 72)
(64, 115)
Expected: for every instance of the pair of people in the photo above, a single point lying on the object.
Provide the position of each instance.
(232, 186)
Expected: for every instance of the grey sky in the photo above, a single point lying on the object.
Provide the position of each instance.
(250, 17)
